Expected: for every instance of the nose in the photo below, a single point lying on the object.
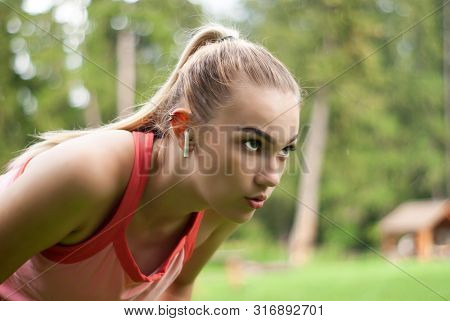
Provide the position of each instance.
(269, 178)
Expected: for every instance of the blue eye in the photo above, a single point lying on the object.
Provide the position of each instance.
(252, 145)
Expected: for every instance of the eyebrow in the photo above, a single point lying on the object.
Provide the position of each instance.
(264, 135)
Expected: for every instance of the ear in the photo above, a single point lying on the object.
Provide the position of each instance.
(180, 120)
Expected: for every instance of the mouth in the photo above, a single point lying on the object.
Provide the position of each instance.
(256, 202)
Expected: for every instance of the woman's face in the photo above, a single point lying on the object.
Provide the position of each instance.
(242, 152)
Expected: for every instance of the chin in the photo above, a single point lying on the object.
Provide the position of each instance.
(242, 217)
(237, 214)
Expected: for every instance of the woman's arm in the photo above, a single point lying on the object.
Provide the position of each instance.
(59, 192)
(181, 288)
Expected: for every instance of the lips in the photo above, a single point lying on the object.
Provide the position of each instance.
(257, 201)
(259, 197)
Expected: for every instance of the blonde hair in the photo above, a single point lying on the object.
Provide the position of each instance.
(203, 77)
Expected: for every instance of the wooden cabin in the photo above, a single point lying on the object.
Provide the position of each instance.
(418, 228)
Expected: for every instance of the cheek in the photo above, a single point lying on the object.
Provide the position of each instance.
(230, 174)
(229, 162)
(216, 171)
(245, 164)
(225, 188)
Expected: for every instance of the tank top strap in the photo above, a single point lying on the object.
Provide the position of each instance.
(138, 180)
(22, 168)
(122, 214)
(191, 236)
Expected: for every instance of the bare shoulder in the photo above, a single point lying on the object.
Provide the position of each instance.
(100, 157)
(100, 163)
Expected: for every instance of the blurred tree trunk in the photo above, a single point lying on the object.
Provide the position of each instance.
(92, 116)
(304, 231)
(446, 64)
(126, 73)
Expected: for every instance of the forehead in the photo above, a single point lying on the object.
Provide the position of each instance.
(268, 109)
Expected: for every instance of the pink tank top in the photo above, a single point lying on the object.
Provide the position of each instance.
(102, 267)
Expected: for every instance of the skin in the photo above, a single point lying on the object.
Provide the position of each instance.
(80, 176)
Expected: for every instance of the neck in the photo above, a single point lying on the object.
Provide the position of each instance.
(170, 194)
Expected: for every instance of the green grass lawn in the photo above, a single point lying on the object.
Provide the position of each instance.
(346, 279)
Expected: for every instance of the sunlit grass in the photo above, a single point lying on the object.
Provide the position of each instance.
(369, 278)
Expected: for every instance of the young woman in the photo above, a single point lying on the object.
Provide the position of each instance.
(134, 209)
